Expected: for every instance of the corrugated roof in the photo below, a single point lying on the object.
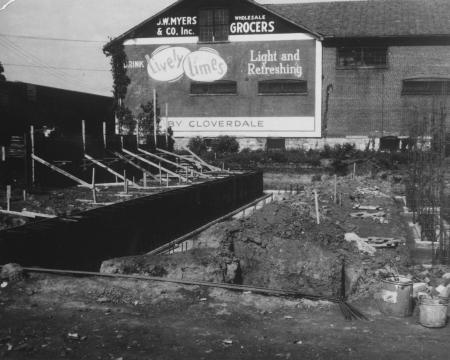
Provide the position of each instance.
(371, 18)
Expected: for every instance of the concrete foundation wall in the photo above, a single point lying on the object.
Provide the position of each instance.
(128, 228)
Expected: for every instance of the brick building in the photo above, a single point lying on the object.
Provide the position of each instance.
(304, 74)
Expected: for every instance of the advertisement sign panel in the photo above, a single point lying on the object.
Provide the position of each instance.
(172, 69)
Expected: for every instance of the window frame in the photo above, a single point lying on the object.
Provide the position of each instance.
(214, 29)
(281, 81)
(364, 64)
(217, 82)
(445, 86)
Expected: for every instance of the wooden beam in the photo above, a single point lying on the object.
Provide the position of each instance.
(29, 214)
(211, 167)
(181, 157)
(170, 162)
(60, 171)
(107, 168)
(128, 161)
(167, 171)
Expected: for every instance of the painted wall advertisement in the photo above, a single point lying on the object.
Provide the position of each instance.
(171, 69)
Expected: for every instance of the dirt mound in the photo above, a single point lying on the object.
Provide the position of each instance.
(198, 264)
(281, 247)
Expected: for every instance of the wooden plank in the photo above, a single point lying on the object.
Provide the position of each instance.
(211, 167)
(107, 168)
(128, 161)
(60, 171)
(170, 162)
(181, 157)
(167, 171)
(29, 214)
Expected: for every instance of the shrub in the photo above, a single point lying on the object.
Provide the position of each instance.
(225, 144)
(197, 145)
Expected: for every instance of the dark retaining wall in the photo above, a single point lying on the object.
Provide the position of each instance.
(128, 228)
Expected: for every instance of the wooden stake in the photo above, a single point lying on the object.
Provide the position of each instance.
(104, 134)
(83, 134)
(3, 154)
(8, 197)
(335, 189)
(94, 193)
(354, 170)
(160, 178)
(316, 200)
(24, 195)
(121, 142)
(154, 115)
(125, 182)
(145, 179)
(167, 179)
(33, 173)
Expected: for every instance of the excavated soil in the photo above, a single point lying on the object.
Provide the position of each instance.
(281, 246)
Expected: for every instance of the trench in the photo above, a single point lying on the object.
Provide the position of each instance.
(83, 240)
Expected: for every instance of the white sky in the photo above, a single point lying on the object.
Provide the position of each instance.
(65, 64)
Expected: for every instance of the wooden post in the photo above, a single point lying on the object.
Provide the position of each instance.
(3, 154)
(8, 197)
(167, 123)
(33, 173)
(125, 182)
(24, 195)
(187, 174)
(160, 178)
(145, 179)
(335, 189)
(94, 193)
(167, 179)
(121, 141)
(83, 134)
(354, 170)
(154, 116)
(104, 134)
(316, 200)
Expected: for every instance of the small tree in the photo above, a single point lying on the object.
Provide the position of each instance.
(197, 145)
(225, 144)
(146, 118)
(127, 123)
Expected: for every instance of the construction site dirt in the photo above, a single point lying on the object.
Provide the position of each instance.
(362, 236)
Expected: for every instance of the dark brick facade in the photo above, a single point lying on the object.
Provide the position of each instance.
(370, 101)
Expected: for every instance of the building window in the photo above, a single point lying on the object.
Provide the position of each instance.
(213, 24)
(276, 144)
(361, 57)
(221, 87)
(426, 87)
(282, 87)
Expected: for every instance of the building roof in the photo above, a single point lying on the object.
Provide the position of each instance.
(370, 18)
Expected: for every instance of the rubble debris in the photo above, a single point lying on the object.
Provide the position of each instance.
(12, 272)
(379, 216)
(361, 243)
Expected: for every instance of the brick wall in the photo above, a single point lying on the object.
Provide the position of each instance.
(369, 101)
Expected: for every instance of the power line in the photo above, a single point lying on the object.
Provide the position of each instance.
(55, 67)
(61, 76)
(54, 39)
